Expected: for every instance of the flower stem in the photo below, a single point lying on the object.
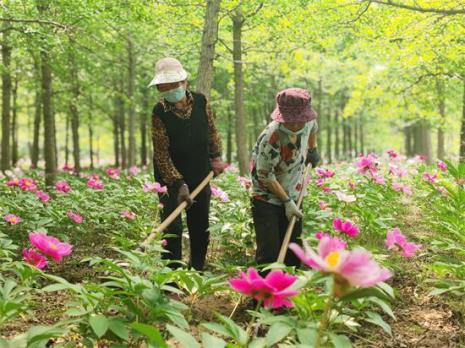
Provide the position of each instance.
(252, 320)
(324, 321)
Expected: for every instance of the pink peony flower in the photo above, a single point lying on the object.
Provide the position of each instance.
(95, 183)
(68, 168)
(163, 242)
(323, 205)
(392, 153)
(231, 168)
(75, 217)
(12, 219)
(245, 182)
(134, 170)
(321, 234)
(397, 170)
(34, 258)
(62, 186)
(430, 177)
(113, 173)
(326, 189)
(27, 184)
(50, 246)
(128, 215)
(324, 173)
(355, 267)
(347, 227)
(397, 241)
(273, 290)
(12, 182)
(219, 194)
(44, 197)
(379, 179)
(406, 189)
(154, 187)
(442, 166)
(421, 158)
(345, 198)
(368, 164)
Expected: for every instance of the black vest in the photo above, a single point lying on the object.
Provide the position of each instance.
(188, 139)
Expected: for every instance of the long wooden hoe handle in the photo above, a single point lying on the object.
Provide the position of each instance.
(177, 211)
(290, 227)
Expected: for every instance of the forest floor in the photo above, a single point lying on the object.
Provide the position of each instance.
(421, 320)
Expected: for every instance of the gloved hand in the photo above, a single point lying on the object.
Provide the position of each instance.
(292, 210)
(217, 165)
(184, 195)
(313, 157)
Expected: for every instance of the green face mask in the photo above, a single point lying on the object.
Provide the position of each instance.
(174, 95)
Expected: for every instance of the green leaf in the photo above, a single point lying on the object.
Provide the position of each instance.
(363, 293)
(183, 337)
(151, 332)
(376, 319)
(258, 343)
(277, 332)
(119, 328)
(55, 287)
(307, 336)
(218, 328)
(384, 306)
(212, 341)
(99, 323)
(340, 341)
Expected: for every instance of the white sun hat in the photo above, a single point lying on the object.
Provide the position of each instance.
(168, 70)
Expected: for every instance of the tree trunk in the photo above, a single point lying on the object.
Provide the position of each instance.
(74, 111)
(67, 139)
(91, 141)
(355, 128)
(116, 139)
(349, 137)
(122, 128)
(229, 139)
(361, 135)
(132, 111)
(143, 126)
(14, 126)
(344, 139)
(318, 109)
(207, 53)
(442, 115)
(241, 130)
(462, 130)
(328, 138)
(337, 147)
(36, 132)
(408, 141)
(6, 99)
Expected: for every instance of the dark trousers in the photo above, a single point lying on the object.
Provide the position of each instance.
(197, 225)
(270, 227)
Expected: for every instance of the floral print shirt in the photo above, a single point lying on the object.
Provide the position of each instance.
(280, 156)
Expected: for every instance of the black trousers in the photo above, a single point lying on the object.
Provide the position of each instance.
(197, 225)
(270, 227)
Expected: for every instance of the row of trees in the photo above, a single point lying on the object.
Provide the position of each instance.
(383, 74)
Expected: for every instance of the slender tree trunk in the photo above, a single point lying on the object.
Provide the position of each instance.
(241, 130)
(143, 126)
(344, 139)
(229, 139)
(132, 111)
(74, 111)
(337, 147)
(207, 53)
(442, 115)
(328, 137)
(91, 141)
(362, 136)
(462, 129)
(349, 137)
(408, 141)
(122, 128)
(355, 139)
(6, 98)
(36, 132)
(318, 109)
(67, 140)
(116, 139)
(14, 125)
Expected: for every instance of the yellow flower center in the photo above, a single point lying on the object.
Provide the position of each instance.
(53, 246)
(332, 259)
(13, 220)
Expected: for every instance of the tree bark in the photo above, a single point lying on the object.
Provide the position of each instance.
(328, 138)
(14, 125)
(318, 109)
(67, 139)
(229, 139)
(207, 53)
(355, 128)
(74, 111)
(344, 139)
(143, 126)
(132, 111)
(337, 148)
(116, 139)
(91, 141)
(241, 130)
(6, 99)
(36, 132)
(442, 114)
(349, 137)
(122, 126)
(362, 136)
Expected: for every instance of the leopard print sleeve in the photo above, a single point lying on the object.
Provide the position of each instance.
(214, 140)
(161, 155)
